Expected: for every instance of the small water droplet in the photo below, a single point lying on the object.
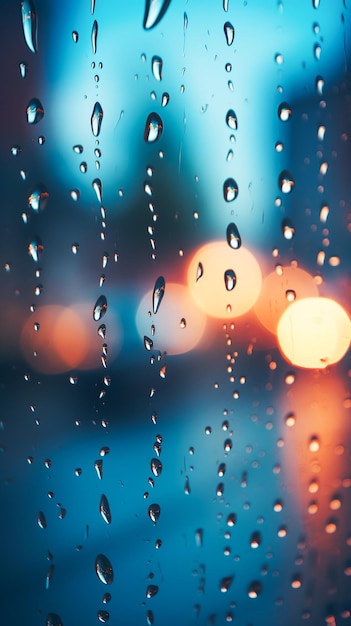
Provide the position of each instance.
(100, 308)
(284, 111)
(34, 111)
(226, 583)
(97, 186)
(230, 190)
(232, 120)
(290, 295)
(75, 36)
(151, 591)
(153, 128)
(41, 520)
(106, 598)
(154, 512)
(199, 537)
(229, 33)
(319, 85)
(99, 468)
(231, 520)
(229, 280)
(255, 540)
(158, 293)
(96, 119)
(233, 236)
(149, 618)
(182, 323)
(105, 509)
(29, 23)
(35, 249)
(288, 228)
(148, 343)
(104, 569)
(156, 467)
(52, 619)
(315, 4)
(187, 488)
(199, 272)
(101, 331)
(254, 589)
(16, 150)
(23, 67)
(286, 181)
(154, 12)
(94, 34)
(157, 65)
(37, 200)
(317, 51)
(165, 99)
(103, 616)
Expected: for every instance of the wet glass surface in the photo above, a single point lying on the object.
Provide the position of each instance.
(175, 313)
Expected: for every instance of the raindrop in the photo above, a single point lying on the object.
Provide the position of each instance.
(199, 271)
(156, 65)
(317, 51)
(75, 194)
(187, 489)
(75, 36)
(105, 509)
(101, 331)
(148, 343)
(232, 120)
(149, 618)
(104, 569)
(151, 591)
(233, 236)
(182, 323)
(96, 119)
(230, 190)
(78, 149)
(165, 99)
(92, 6)
(97, 186)
(231, 519)
(199, 537)
(29, 23)
(35, 249)
(226, 583)
(315, 4)
(284, 111)
(153, 128)
(23, 67)
(154, 12)
(16, 150)
(41, 520)
(37, 200)
(286, 182)
(100, 308)
(229, 280)
(94, 34)
(254, 589)
(52, 619)
(319, 85)
(106, 598)
(103, 616)
(156, 467)
(99, 468)
(288, 228)
(255, 540)
(35, 111)
(229, 33)
(158, 293)
(290, 295)
(154, 512)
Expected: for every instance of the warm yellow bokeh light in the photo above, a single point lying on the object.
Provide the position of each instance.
(279, 290)
(178, 324)
(314, 332)
(224, 282)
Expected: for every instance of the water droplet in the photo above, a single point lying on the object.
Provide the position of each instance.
(230, 190)
(35, 111)
(52, 619)
(319, 85)
(286, 181)
(37, 200)
(288, 228)
(23, 67)
(151, 591)
(233, 236)
(35, 249)
(16, 150)
(154, 512)
(101, 331)
(254, 589)
(153, 128)
(99, 468)
(158, 293)
(199, 271)
(156, 467)
(165, 99)
(231, 119)
(100, 308)
(106, 598)
(75, 36)
(255, 540)
(182, 323)
(317, 51)
(315, 4)
(97, 186)
(157, 65)
(187, 489)
(104, 569)
(229, 280)
(29, 23)
(96, 119)
(284, 111)
(41, 520)
(105, 509)
(154, 12)
(231, 519)
(229, 33)
(290, 295)
(103, 616)
(226, 583)
(94, 34)
(149, 618)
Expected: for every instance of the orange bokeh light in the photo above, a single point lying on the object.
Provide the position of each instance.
(214, 261)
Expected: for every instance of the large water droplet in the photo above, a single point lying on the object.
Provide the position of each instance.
(153, 128)
(35, 111)
(229, 33)
(156, 467)
(231, 119)
(233, 236)
(157, 65)
(154, 12)
(100, 308)
(286, 181)
(96, 119)
(230, 190)
(94, 34)
(229, 280)
(104, 569)
(52, 619)
(154, 512)
(35, 249)
(37, 200)
(29, 23)
(158, 293)
(105, 509)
